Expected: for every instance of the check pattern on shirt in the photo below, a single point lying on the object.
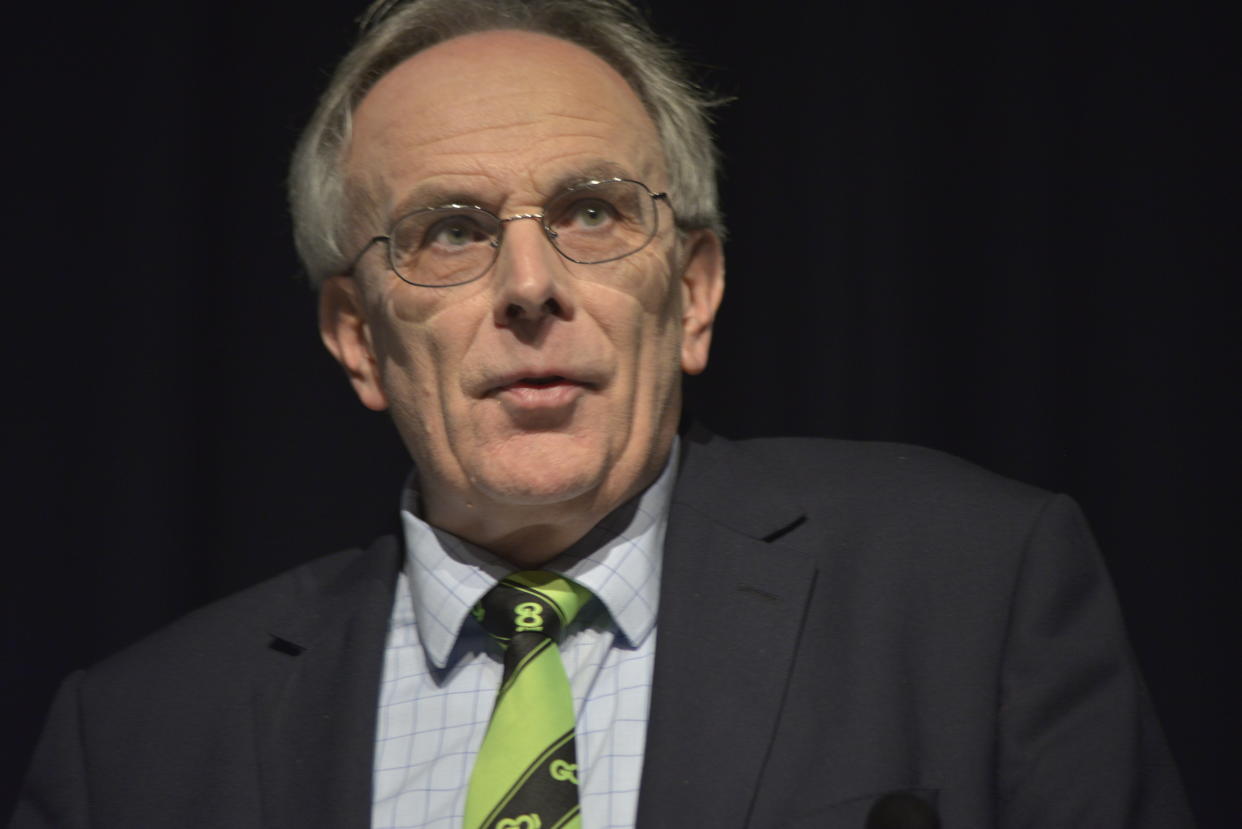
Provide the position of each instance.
(441, 674)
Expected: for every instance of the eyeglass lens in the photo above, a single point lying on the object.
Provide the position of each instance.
(589, 224)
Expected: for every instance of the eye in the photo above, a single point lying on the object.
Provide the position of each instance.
(588, 214)
(455, 232)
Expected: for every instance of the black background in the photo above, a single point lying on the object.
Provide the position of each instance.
(998, 229)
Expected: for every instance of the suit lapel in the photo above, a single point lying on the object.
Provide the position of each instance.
(731, 608)
(316, 704)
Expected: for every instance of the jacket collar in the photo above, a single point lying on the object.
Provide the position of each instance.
(732, 602)
(732, 598)
(315, 704)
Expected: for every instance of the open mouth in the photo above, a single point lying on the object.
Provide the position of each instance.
(541, 382)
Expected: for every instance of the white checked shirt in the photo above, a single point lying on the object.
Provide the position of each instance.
(441, 672)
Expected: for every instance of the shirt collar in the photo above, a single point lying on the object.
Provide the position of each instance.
(618, 560)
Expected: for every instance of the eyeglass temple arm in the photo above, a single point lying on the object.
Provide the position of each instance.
(354, 264)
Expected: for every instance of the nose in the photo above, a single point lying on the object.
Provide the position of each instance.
(532, 281)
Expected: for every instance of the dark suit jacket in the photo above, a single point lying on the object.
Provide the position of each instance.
(837, 621)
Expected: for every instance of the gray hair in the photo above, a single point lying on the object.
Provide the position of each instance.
(323, 203)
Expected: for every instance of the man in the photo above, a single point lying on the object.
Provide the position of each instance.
(508, 210)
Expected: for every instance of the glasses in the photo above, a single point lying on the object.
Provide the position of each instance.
(590, 223)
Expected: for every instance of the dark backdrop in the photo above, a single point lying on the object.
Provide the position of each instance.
(995, 228)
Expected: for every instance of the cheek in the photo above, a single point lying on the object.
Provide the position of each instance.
(643, 286)
(418, 346)
(425, 327)
(640, 316)
(420, 305)
(648, 278)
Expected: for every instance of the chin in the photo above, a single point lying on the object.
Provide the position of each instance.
(545, 488)
(540, 470)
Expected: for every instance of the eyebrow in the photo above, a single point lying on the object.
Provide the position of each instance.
(596, 171)
(436, 195)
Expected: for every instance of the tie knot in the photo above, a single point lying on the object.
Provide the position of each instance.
(531, 601)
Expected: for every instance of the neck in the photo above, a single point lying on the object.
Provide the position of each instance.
(527, 536)
(530, 535)
(534, 543)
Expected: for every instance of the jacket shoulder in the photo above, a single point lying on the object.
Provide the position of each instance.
(865, 501)
(877, 468)
(226, 634)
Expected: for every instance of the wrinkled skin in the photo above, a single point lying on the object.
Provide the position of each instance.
(505, 119)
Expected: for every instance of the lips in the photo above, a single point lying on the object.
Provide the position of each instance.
(537, 380)
(539, 394)
(541, 382)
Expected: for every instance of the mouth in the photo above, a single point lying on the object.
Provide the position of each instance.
(544, 382)
(537, 381)
(539, 391)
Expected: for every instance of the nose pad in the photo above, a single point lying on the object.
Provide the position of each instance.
(532, 279)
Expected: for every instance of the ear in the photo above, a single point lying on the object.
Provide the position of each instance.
(702, 287)
(346, 333)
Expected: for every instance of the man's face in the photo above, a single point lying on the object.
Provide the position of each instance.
(506, 120)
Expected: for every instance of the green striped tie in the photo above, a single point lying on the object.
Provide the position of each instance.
(526, 773)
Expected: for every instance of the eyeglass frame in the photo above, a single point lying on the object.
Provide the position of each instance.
(548, 232)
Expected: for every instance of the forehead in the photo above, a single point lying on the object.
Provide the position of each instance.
(500, 114)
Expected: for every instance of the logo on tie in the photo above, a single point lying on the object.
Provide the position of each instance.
(526, 770)
(528, 616)
(560, 770)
